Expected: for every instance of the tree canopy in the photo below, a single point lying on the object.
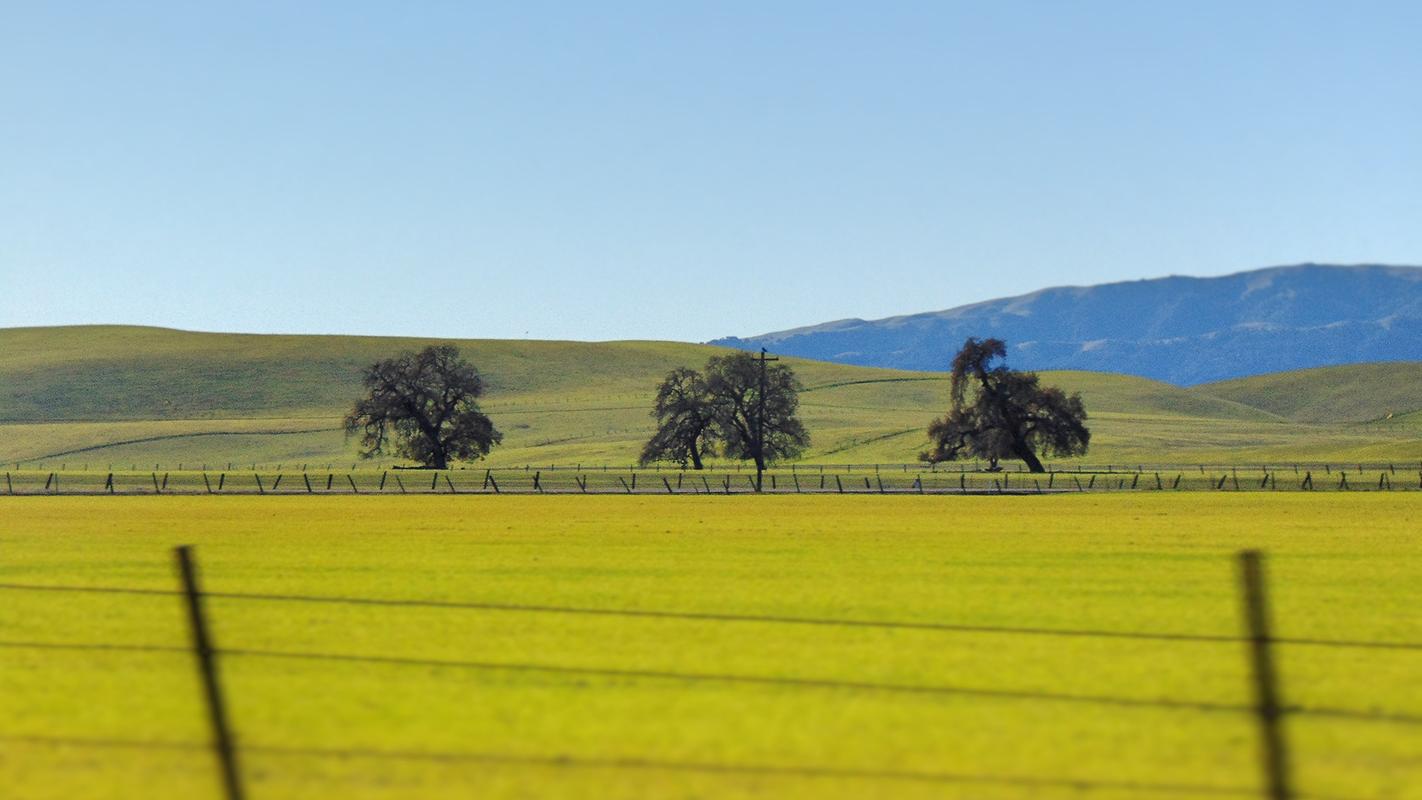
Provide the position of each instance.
(999, 413)
(722, 409)
(763, 427)
(686, 420)
(422, 406)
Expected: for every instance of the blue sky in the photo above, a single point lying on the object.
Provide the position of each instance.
(681, 170)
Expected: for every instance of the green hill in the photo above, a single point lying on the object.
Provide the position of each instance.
(116, 394)
(1351, 393)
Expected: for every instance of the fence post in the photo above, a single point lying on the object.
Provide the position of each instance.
(207, 668)
(1274, 752)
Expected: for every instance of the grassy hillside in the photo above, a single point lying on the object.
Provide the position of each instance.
(1351, 393)
(114, 394)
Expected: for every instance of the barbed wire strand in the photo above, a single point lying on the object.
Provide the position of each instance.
(729, 617)
(649, 764)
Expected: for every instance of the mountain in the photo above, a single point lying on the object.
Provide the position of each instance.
(1180, 330)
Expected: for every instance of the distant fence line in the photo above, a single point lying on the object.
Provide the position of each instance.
(817, 479)
(1267, 705)
(955, 467)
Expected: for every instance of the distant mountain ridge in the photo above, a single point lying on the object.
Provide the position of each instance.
(1181, 330)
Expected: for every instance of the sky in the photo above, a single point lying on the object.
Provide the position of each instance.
(681, 170)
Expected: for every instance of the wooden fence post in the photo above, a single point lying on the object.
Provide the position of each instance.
(206, 654)
(1274, 754)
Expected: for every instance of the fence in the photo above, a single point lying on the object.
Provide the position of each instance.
(1267, 706)
(817, 479)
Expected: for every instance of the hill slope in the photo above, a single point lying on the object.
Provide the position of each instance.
(1351, 393)
(1180, 330)
(111, 394)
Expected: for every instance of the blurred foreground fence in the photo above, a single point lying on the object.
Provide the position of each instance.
(1267, 704)
(797, 479)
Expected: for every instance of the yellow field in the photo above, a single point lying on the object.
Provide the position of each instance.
(956, 696)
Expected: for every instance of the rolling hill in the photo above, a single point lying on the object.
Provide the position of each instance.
(1180, 330)
(1350, 393)
(119, 394)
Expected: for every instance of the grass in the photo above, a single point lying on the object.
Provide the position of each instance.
(128, 395)
(1123, 562)
(1351, 393)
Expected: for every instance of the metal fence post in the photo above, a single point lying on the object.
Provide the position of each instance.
(207, 668)
(1274, 753)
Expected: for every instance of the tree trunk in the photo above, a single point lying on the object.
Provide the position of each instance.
(695, 458)
(1025, 453)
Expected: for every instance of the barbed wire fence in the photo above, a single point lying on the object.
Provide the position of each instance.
(794, 479)
(1267, 706)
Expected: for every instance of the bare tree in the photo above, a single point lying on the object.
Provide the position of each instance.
(422, 406)
(1008, 415)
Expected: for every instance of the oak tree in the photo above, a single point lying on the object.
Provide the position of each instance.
(757, 409)
(422, 406)
(686, 420)
(999, 413)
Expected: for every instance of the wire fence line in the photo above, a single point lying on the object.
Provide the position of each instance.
(820, 479)
(704, 616)
(1268, 708)
(657, 765)
(49, 464)
(1122, 701)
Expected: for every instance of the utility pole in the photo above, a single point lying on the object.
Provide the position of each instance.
(760, 424)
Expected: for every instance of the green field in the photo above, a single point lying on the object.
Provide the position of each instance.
(131, 396)
(544, 703)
